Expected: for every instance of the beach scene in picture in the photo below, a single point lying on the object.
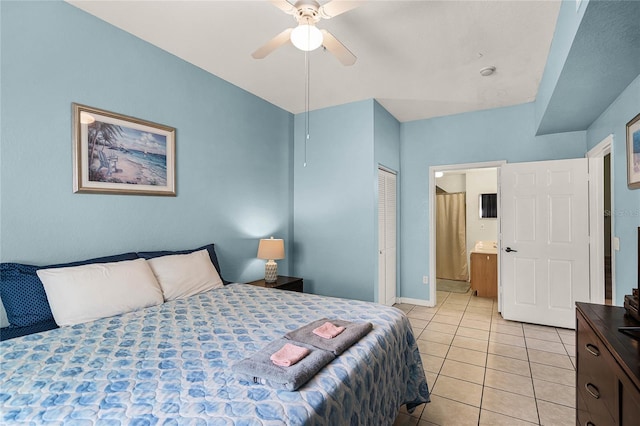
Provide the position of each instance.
(120, 154)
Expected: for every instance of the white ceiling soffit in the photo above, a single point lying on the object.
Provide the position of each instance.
(419, 59)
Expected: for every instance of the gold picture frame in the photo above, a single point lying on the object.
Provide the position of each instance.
(633, 153)
(118, 154)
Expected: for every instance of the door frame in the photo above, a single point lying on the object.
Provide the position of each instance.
(596, 219)
(432, 217)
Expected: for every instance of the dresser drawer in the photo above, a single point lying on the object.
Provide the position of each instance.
(608, 367)
(593, 417)
(595, 385)
(629, 395)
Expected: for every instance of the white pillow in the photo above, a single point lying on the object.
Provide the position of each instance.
(85, 293)
(183, 275)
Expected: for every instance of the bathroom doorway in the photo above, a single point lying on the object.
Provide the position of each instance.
(452, 265)
(454, 236)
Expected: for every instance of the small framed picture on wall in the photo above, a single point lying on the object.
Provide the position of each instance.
(633, 153)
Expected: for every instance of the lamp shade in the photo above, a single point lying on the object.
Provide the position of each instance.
(271, 249)
(306, 37)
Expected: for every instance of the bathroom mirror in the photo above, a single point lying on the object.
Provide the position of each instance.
(488, 206)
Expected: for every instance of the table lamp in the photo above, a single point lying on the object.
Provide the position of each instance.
(270, 250)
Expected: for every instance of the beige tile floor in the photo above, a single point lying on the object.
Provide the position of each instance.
(484, 370)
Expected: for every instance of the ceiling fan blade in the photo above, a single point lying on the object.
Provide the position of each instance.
(337, 7)
(338, 49)
(284, 6)
(273, 44)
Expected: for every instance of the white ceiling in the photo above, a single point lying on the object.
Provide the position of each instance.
(419, 59)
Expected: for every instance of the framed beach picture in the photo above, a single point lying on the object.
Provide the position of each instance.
(633, 153)
(117, 154)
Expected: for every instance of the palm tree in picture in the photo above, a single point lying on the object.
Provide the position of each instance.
(104, 134)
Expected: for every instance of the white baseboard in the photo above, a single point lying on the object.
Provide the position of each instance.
(419, 302)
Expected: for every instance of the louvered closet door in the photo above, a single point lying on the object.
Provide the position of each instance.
(387, 226)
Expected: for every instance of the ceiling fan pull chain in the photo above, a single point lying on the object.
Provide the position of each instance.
(306, 105)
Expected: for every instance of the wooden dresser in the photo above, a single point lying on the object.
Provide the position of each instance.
(608, 367)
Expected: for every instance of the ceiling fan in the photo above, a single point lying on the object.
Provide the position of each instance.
(306, 36)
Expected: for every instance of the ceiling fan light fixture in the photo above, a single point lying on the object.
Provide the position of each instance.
(306, 37)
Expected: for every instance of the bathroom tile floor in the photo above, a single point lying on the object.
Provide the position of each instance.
(484, 370)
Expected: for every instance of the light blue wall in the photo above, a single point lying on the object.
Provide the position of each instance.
(626, 207)
(233, 149)
(386, 138)
(602, 61)
(336, 197)
(334, 201)
(492, 135)
(567, 26)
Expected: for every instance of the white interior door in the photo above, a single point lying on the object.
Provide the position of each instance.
(387, 250)
(545, 241)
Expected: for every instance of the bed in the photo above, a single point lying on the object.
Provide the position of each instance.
(170, 364)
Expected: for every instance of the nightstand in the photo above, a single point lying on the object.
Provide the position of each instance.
(282, 283)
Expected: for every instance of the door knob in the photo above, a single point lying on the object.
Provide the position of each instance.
(509, 250)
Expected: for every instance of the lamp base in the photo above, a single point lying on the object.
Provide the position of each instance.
(270, 272)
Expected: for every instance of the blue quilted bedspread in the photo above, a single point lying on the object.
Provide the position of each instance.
(170, 364)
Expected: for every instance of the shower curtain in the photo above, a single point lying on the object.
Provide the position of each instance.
(451, 237)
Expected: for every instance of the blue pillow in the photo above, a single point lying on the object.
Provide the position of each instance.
(23, 294)
(105, 259)
(7, 333)
(209, 248)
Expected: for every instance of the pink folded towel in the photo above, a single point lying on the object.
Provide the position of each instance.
(288, 355)
(328, 330)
